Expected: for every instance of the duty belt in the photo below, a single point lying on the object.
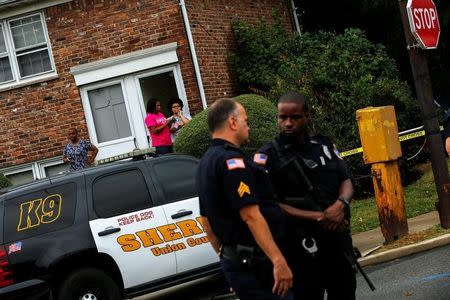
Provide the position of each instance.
(246, 255)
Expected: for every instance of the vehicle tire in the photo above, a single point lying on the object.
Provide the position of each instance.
(88, 284)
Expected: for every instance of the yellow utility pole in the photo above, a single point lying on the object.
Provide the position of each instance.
(381, 149)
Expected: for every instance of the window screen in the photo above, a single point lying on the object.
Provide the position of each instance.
(120, 193)
(40, 212)
(176, 178)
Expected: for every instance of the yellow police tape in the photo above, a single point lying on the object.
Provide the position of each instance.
(402, 138)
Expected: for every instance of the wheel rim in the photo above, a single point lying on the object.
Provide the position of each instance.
(88, 296)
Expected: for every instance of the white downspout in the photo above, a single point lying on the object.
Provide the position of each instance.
(194, 54)
(294, 12)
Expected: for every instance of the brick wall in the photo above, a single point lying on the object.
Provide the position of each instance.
(211, 27)
(34, 119)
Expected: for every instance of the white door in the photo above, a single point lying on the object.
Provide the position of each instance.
(109, 118)
(115, 110)
(129, 228)
(185, 215)
(175, 182)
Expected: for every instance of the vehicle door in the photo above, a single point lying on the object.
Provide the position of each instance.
(174, 178)
(125, 223)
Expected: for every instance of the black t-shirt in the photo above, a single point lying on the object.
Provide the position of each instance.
(227, 181)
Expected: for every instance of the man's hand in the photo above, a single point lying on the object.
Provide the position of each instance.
(333, 217)
(282, 275)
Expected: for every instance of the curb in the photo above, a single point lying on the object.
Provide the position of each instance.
(404, 251)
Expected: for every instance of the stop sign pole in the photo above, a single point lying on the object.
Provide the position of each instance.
(421, 34)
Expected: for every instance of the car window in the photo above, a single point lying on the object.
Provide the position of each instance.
(176, 178)
(120, 193)
(40, 212)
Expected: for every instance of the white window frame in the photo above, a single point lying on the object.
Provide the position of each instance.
(47, 163)
(37, 168)
(90, 118)
(18, 80)
(176, 71)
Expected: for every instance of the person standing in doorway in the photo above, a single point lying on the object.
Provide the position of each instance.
(176, 106)
(158, 126)
(76, 151)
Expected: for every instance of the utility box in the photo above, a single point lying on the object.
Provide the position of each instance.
(379, 134)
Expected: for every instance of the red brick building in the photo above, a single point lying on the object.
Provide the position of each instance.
(93, 64)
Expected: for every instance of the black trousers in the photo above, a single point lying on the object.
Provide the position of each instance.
(327, 270)
(164, 149)
(250, 283)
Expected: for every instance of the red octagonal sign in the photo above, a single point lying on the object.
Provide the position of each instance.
(424, 22)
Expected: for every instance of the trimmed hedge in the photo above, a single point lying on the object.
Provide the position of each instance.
(4, 182)
(194, 138)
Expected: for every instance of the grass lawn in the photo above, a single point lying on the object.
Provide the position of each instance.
(414, 238)
(419, 197)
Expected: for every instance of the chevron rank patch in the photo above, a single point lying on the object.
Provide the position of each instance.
(242, 189)
(235, 163)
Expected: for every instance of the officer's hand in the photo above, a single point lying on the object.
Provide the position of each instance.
(333, 216)
(282, 275)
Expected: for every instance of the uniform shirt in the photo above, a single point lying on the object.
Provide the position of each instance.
(227, 181)
(324, 167)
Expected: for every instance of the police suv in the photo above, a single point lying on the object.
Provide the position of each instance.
(107, 232)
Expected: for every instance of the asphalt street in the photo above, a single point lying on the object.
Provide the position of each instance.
(424, 276)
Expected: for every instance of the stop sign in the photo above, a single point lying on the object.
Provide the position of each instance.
(424, 22)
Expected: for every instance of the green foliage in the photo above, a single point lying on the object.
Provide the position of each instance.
(4, 182)
(339, 73)
(194, 138)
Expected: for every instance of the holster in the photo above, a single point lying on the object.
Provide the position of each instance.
(248, 256)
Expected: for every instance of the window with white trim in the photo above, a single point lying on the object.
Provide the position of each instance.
(36, 170)
(25, 50)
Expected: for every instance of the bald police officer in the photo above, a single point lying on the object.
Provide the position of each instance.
(309, 175)
(242, 221)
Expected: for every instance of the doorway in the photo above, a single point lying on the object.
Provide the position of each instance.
(115, 109)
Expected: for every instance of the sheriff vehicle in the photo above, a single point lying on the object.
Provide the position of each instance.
(113, 231)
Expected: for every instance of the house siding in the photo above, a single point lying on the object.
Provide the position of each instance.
(34, 119)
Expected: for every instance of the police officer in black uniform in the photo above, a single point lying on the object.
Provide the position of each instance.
(242, 221)
(312, 182)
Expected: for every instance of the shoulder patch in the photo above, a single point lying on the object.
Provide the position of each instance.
(235, 163)
(326, 151)
(242, 189)
(260, 158)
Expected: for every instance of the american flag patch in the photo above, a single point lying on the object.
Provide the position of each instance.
(235, 163)
(260, 158)
(15, 247)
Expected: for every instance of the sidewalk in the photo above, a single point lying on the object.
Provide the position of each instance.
(372, 239)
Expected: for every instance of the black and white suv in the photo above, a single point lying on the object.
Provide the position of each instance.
(112, 231)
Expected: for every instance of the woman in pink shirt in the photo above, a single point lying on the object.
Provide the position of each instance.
(158, 126)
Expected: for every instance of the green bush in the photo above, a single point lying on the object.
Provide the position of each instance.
(339, 73)
(194, 138)
(4, 182)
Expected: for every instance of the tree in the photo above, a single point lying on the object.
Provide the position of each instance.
(339, 73)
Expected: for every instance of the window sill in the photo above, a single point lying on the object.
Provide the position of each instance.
(16, 85)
